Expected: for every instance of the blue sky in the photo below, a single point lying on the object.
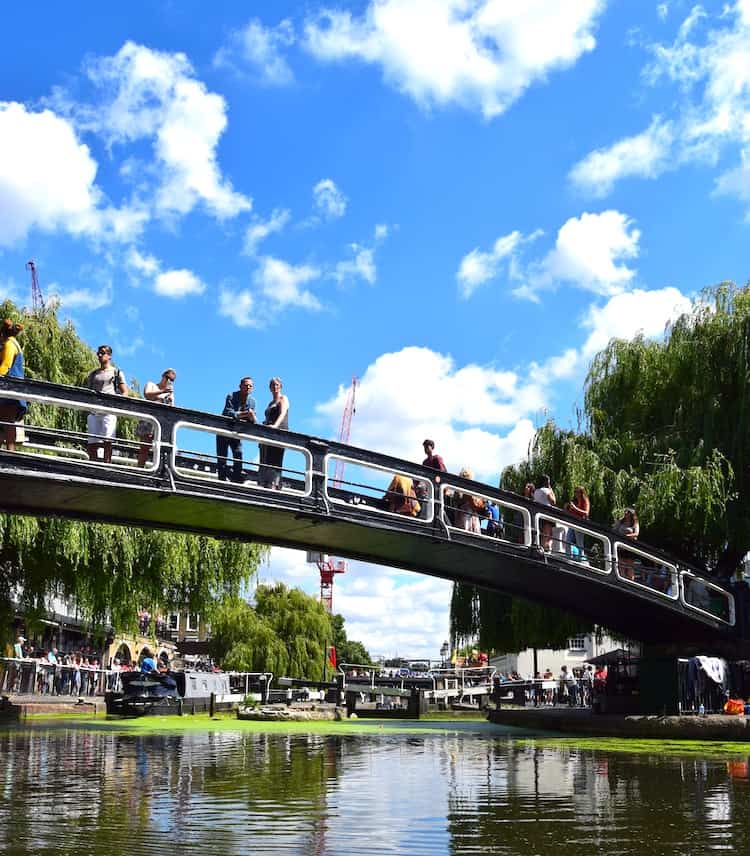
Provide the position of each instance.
(459, 202)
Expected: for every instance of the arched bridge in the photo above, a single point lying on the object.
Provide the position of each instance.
(627, 586)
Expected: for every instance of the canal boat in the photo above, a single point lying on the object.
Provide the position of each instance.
(168, 693)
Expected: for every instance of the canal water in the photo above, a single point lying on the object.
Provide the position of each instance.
(432, 788)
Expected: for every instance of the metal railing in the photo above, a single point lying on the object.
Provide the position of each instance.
(38, 677)
(539, 531)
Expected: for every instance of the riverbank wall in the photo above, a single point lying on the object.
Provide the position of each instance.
(585, 723)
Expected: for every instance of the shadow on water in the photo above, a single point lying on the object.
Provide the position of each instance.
(426, 787)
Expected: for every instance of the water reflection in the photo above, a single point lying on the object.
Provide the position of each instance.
(76, 791)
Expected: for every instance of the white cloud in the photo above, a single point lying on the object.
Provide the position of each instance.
(150, 94)
(647, 155)
(328, 200)
(481, 54)
(259, 229)
(478, 267)
(145, 265)
(662, 10)
(47, 177)
(708, 63)
(81, 298)
(590, 252)
(239, 306)
(261, 49)
(382, 230)
(362, 266)
(281, 283)
(178, 283)
(437, 408)
(626, 315)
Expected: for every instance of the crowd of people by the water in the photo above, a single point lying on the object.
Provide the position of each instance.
(47, 671)
(575, 686)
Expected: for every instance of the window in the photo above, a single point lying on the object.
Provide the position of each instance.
(174, 621)
(192, 622)
(577, 643)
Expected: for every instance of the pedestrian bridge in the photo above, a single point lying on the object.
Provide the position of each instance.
(627, 586)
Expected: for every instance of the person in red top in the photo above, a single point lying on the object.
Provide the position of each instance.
(580, 507)
(433, 461)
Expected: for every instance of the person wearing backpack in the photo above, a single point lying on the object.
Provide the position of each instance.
(101, 427)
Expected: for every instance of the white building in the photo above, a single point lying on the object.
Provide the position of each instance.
(579, 651)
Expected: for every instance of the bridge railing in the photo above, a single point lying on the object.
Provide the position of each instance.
(195, 455)
(470, 512)
(71, 442)
(373, 487)
(183, 445)
(573, 542)
(706, 597)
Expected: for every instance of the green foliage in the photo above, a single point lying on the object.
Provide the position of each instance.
(109, 572)
(286, 633)
(665, 429)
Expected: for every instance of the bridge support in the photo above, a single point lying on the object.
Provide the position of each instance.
(659, 684)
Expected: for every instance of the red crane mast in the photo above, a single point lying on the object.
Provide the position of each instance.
(327, 565)
(37, 301)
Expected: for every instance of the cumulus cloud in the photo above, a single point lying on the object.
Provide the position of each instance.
(437, 408)
(646, 155)
(259, 229)
(154, 95)
(282, 283)
(178, 283)
(261, 50)
(48, 181)
(328, 200)
(239, 306)
(81, 298)
(590, 252)
(481, 54)
(707, 61)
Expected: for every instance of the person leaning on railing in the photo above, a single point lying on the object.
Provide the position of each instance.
(162, 392)
(102, 427)
(470, 507)
(580, 506)
(12, 410)
(401, 498)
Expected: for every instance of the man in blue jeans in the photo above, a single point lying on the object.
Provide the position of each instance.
(239, 404)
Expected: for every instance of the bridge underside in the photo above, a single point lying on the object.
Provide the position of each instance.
(357, 532)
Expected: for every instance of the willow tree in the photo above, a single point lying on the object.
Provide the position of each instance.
(285, 633)
(110, 572)
(666, 429)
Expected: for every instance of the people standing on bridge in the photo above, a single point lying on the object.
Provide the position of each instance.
(109, 380)
(580, 506)
(433, 461)
(163, 392)
(544, 495)
(401, 498)
(627, 527)
(12, 410)
(276, 416)
(470, 507)
(239, 405)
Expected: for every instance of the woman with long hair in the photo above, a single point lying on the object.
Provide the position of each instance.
(276, 416)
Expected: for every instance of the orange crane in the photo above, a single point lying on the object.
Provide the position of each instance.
(37, 301)
(327, 565)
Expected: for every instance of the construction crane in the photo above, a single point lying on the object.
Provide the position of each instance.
(327, 565)
(345, 430)
(37, 301)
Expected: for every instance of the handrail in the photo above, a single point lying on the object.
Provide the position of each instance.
(317, 453)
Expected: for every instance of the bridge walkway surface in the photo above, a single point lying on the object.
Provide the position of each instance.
(629, 587)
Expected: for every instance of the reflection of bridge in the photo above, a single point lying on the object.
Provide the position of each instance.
(636, 590)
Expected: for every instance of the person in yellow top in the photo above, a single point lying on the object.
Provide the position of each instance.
(11, 365)
(400, 497)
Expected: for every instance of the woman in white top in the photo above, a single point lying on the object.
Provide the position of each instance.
(544, 495)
